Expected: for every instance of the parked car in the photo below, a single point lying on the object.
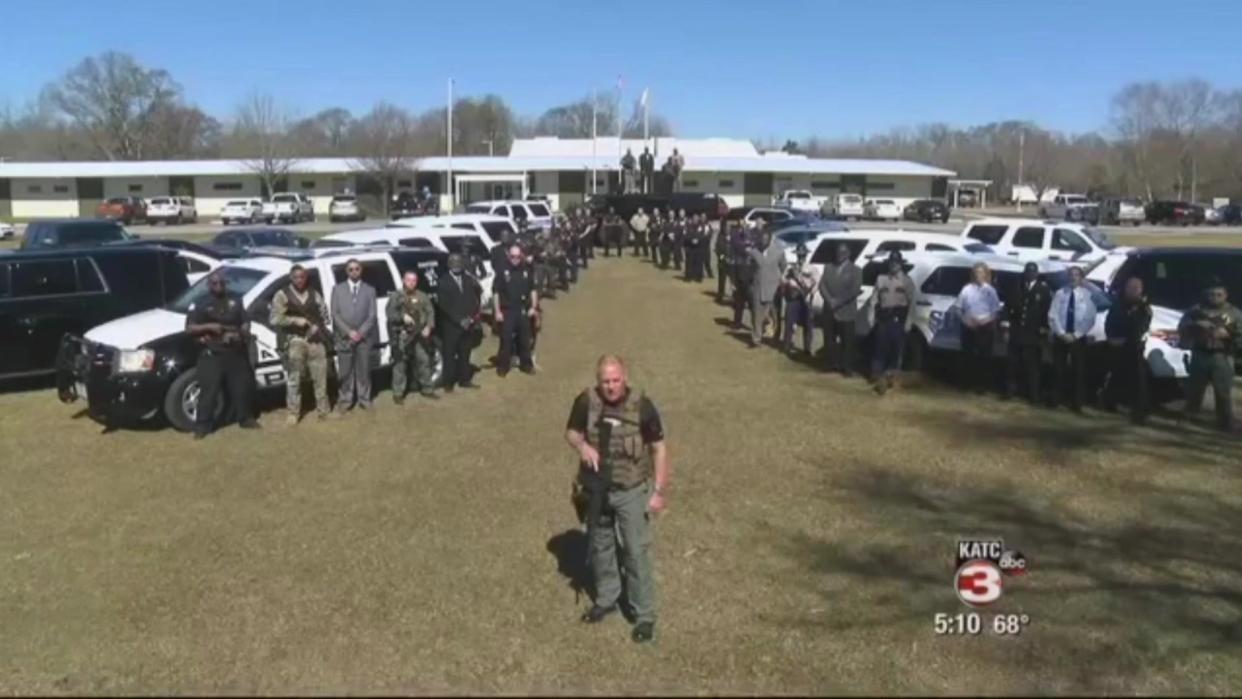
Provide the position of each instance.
(1177, 213)
(242, 211)
(536, 214)
(874, 242)
(799, 200)
(250, 238)
(1230, 214)
(1173, 282)
(1211, 215)
(197, 260)
(142, 367)
(843, 206)
(807, 232)
(408, 204)
(124, 209)
(749, 215)
(882, 210)
(1118, 212)
(7, 231)
(47, 293)
(168, 210)
(1033, 240)
(711, 205)
(345, 207)
(492, 229)
(1071, 207)
(926, 211)
(288, 207)
(68, 233)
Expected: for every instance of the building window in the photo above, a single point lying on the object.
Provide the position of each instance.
(227, 186)
(135, 189)
(34, 188)
(874, 186)
(60, 188)
(724, 184)
(405, 184)
(824, 184)
(690, 183)
(308, 184)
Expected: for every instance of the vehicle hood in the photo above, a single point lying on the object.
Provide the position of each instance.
(132, 332)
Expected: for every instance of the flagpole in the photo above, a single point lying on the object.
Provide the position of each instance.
(646, 115)
(594, 138)
(452, 190)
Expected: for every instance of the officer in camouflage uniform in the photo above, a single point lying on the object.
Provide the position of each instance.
(639, 464)
(1212, 330)
(299, 315)
(411, 319)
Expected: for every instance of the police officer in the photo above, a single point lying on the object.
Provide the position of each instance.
(300, 316)
(218, 323)
(800, 284)
(638, 487)
(721, 250)
(1027, 315)
(411, 320)
(1212, 330)
(457, 302)
(639, 223)
(614, 235)
(742, 273)
(693, 244)
(1126, 328)
(710, 234)
(678, 230)
(662, 239)
(892, 308)
(515, 304)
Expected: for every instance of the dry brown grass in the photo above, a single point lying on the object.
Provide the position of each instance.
(808, 545)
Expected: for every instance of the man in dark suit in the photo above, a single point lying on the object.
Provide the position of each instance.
(1027, 313)
(457, 299)
(355, 333)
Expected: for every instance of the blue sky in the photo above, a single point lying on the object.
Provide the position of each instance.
(777, 69)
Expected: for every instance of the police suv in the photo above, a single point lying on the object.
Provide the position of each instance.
(142, 367)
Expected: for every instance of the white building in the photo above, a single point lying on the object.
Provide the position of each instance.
(568, 171)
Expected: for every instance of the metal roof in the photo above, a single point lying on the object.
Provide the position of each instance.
(471, 164)
(611, 146)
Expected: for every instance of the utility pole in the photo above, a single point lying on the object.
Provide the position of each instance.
(490, 153)
(452, 190)
(594, 138)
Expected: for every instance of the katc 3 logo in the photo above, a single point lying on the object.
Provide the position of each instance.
(982, 565)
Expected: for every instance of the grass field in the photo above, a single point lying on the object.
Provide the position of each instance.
(432, 548)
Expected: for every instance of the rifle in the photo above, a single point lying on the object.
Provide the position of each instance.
(597, 483)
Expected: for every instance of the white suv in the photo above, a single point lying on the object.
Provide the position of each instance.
(1071, 207)
(1032, 240)
(241, 211)
(798, 200)
(536, 213)
(171, 210)
(345, 207)
(882, 210)
(843, 206)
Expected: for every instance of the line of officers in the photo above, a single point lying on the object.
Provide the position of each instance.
(528, 267)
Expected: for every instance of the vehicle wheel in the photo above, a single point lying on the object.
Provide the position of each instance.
(1043, 213)
(181, 401)
(916, 352)
(177, 220)
(1135, 223)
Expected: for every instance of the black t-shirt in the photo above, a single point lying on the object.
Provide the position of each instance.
(513, 287)
(227, 311)
(650, 425)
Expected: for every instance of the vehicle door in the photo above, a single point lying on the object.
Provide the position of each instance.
(269, 369)
(45, 300)
(935, 315)
(1028, 244)
(381, 273)
(1070, 245)
(196, 266)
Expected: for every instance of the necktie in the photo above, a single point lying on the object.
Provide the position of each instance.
(1069, 313)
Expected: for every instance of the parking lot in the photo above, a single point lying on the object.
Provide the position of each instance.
(432, 548)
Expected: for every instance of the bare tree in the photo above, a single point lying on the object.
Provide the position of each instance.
(261, 137)
(573, 120)
(114, 101)
(322, 134)
(383, 140)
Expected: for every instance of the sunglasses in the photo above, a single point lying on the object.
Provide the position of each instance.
(353, 269)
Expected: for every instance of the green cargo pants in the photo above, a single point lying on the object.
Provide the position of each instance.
(1215, 368)
(629, 510)
(413, 358)
(302, 357)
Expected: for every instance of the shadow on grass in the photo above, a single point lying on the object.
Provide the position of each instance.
(1118, 603)
(570, 549)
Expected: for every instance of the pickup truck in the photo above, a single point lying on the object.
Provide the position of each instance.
(1071, 207)
(288, 207)
(799, 200)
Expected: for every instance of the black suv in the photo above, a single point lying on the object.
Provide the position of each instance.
(1175, 212)
(247, 238)
(44, 295)
(926, 211)
(73, 233)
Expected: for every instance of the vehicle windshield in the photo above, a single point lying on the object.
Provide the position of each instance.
(1076, 200)
(478, 209)
(118, 200)
(539, 210)
(237, 280)
(978, 248)
(91, 232)
(1100, 238)
(797, 195)
(345, 197)
(238, 202)
(160, 201)
(284, 198)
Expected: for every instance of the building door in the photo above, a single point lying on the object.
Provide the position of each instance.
(181, 186)
(90, 195)
(757, 189)
(571, 186)
(854, 184)
(6, 199)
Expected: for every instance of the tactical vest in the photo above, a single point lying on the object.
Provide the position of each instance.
(631, 462)
(308, 310)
